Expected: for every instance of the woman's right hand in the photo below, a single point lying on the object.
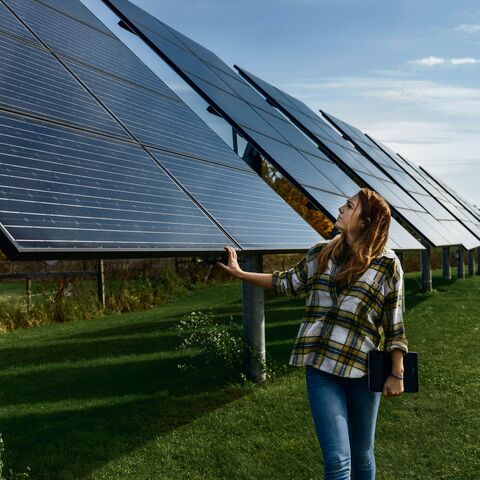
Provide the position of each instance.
(232, 267)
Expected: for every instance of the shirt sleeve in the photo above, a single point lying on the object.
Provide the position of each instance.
(392, 314)
(293, 281)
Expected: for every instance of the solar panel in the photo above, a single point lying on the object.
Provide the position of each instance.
(294, 155)
(101, 182)
(72, 192)
(454, 213)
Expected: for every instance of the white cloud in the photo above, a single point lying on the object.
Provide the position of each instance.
(464, 61)
(433, 61)
(469, 27)
(429, 61)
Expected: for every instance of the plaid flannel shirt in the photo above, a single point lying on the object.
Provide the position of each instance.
(339, 329)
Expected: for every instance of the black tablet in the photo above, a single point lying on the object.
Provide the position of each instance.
(380, 368)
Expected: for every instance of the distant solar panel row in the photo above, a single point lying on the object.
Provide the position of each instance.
(99, 157)
(450, 229)
(451, 211)
(469, 209)
(294, 155)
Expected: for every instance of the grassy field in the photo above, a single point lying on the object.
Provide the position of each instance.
(103, 399)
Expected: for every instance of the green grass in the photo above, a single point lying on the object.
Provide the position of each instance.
(103, 399)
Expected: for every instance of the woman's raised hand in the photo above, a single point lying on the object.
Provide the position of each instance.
(232, 267)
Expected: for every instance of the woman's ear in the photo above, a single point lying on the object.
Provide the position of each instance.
(365, 222)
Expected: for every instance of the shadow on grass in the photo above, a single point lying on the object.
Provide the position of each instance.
(65, 421)
(70, 444)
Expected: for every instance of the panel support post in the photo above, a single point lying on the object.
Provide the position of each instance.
(447, 270)
(400, 257)
(426, 270)
(253, 158)
(460, 263)
(28, 286)
(471, 262)
(234, 141)
(101, 283)
(478, 260)
(254, 321)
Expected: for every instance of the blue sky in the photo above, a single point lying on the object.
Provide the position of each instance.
(407, 72)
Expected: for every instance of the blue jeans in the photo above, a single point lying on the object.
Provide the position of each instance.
(344, 413)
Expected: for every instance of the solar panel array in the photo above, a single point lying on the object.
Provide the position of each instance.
(294, 155)
(472, 211)
(355, 162)
(98, 157)
(455, 232)
(452, 210)
(436, 231)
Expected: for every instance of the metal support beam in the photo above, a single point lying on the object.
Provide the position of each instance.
(460, 263)
(28, 286)
(235, 141)
(101, 283)
(471, 262)
(478, 260)
(253, 158)
(447, 270)
(254, 321)
(426, 270)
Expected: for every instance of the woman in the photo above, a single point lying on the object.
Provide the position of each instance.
(353, 287)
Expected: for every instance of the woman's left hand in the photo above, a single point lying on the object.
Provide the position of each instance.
(393, 387)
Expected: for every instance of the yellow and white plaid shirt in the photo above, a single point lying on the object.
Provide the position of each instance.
(339, 330)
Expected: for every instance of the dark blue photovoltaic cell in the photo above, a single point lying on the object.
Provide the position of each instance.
(76, 9)
(81, 42)
(225, 193)
(149, 22)
(157, 120)
(34, 82)
(9, 24)
(235, 107)
(63, 189)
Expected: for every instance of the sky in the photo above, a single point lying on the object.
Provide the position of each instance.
(406, 72)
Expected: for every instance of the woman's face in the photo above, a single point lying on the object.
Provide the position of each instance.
(348, 220)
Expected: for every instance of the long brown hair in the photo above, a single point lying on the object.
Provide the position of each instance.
(376, 215)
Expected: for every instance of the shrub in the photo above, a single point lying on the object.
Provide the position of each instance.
(144, 293)
(218, 344)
